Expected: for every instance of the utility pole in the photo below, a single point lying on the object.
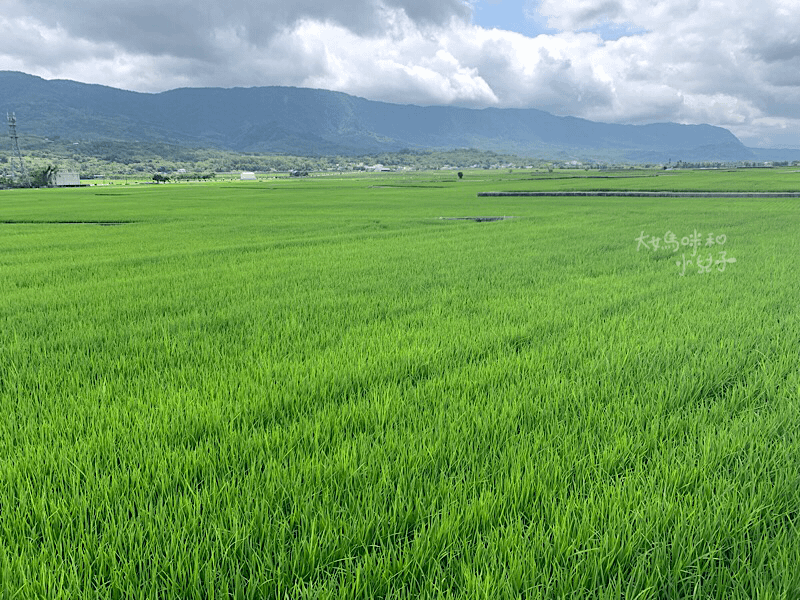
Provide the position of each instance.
(16, 155)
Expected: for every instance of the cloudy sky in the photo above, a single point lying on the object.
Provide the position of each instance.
(733, 63)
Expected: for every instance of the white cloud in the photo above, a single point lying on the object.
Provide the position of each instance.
(410, 66)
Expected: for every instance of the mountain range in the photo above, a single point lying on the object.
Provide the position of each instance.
(310, 122)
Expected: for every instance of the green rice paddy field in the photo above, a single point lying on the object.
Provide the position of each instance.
(320, 389)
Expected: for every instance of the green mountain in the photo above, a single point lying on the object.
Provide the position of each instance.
(310, 122)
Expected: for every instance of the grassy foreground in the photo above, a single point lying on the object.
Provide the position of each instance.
(319, 389)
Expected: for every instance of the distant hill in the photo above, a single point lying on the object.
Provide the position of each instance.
(312, 122)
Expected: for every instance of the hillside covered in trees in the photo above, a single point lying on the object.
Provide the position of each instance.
(307, 122)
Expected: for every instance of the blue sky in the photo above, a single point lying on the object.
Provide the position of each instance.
(730, 63)
(523, 16)
(511, 15)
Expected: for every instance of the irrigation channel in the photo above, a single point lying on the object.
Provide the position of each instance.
(476, 219)
(652, 194)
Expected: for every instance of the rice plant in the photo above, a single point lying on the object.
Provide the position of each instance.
(320, 389)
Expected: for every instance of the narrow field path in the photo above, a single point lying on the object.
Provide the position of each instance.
(638, 194)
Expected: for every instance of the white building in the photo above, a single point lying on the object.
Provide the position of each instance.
(67, 179)
(248, 176)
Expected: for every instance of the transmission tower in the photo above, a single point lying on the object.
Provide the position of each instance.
(16, 154)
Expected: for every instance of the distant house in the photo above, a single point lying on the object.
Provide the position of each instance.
(248, 176)
(63, 179)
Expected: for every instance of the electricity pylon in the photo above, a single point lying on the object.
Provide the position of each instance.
(16, 156)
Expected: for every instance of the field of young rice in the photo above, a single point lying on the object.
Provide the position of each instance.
(320, 389)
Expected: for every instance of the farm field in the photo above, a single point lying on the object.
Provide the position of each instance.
(723, 180)
(318, 388)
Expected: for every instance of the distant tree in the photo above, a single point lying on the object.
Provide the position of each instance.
(44, 177)
(460, 175)
(159, 178)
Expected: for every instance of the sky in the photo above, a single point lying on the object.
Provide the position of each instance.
(732, 63)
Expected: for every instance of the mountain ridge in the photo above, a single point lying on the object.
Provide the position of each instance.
(304, 121)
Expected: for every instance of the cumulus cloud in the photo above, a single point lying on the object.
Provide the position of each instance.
(689, 61)
(411, 68)
(188, 28)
